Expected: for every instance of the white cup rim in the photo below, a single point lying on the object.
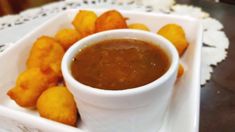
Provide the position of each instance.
(70, 53)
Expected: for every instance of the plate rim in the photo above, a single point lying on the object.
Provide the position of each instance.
(197, 58)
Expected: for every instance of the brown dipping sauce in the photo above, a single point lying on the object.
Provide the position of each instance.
(119, 64)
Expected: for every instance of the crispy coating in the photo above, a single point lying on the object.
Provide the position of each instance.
(109, 20)
(84, 22)
(180, 71)
(67, 37)
(29, 86)
(57, 103)
(176, 35)
(47, 54)
(138, 26)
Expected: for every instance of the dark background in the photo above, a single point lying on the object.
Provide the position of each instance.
(218, 95)
(15, 6)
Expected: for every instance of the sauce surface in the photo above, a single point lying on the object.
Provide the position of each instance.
(119, 64)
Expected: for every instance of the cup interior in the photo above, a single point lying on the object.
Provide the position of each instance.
(148, 37)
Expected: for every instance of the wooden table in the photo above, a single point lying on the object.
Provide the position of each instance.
(218, 95)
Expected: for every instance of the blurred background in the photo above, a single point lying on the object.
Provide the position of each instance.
(16, 6)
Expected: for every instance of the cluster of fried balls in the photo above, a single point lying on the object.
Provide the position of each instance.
(41, 85)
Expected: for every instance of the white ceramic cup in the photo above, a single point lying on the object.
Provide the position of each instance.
(139, 109)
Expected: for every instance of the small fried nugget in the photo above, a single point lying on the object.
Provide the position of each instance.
(67, 37)
(29, 86)
(138, 26)
(57, 103)
(109, 20)
(176, 35)
(84, 22)
(47, 54)
(180, 71)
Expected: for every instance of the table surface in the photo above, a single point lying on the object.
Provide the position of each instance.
(217, 112)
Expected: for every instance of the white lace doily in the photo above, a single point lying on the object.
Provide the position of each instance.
(215, 41)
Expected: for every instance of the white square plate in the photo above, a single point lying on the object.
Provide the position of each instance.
(183, 113)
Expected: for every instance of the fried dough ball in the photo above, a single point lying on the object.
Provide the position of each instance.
(180, 71)
(176, 35)
(29, 86)
(109, 20)
(138, 26)
(47, 54)
(84, 22)
(67, 37)
(57, 103)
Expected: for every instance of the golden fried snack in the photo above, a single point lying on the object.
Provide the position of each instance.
(57, 103)
(180, 71)
(67, 37)
(84, 22)
(109, 20)
(138, 26)
(29, 86)
(47, 54)
(176, 35)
